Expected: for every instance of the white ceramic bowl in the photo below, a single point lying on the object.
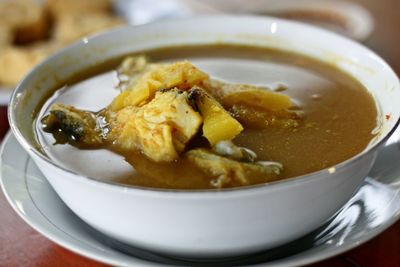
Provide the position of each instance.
(210, 223)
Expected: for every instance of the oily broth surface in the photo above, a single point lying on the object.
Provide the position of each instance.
(340, 115)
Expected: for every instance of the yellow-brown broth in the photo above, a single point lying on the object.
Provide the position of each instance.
(338, 122)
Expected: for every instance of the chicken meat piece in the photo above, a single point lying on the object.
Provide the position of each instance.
(160, 129)
(255, 107)
(74, 126)
(230, 150)
(228, 172)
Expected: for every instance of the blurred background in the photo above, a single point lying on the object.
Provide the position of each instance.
(30, 30)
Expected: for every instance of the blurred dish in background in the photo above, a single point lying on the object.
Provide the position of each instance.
(344, 17)
(347, 18)
(32, 30)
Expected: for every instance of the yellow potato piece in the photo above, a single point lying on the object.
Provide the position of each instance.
(259, 98)
(218, 124)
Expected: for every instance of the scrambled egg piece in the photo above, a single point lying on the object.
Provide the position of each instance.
(160, 129)
(182, 75)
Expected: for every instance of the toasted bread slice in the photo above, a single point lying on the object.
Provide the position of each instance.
(60, 8)
(6, 36)
(72, 27)
(27, 19)
(16, 62)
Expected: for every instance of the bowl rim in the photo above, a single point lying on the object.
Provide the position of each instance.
(320, 174)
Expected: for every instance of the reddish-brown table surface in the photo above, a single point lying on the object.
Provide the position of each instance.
(21, 246)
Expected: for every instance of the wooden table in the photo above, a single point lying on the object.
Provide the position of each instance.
(22, 246)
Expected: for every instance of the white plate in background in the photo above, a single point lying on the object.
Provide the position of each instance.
(358, 21)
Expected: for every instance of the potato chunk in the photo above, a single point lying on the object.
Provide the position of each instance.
(218, 124)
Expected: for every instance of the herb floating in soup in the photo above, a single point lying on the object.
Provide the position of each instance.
(181, 129)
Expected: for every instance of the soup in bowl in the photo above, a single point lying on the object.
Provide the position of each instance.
(207, 137)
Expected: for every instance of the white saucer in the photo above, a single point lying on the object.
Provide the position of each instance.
(5, 94)
(373, 209)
